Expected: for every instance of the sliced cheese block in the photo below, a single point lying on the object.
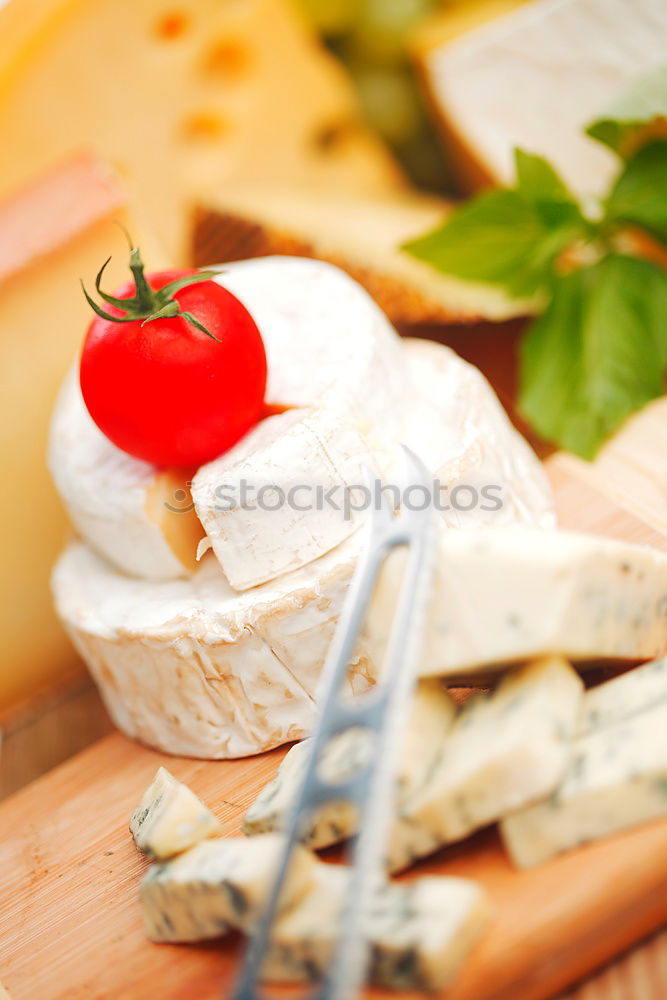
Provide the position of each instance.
(193, 668)
(508, 595)
(420, 932)
(505, 750)
(624, 697)
(617, 779)
(335, 359)
(431, 717)
(361, 234)
(170, 818)
(492, 94)
(54, 232)
(140, 518)
(218, 885)
(215, 100)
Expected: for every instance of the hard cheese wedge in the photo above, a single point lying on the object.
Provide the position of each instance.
(170, 818)
(492, 93)
(616, 779)
(508, 595)
(363, 235)
(420, 932)
(431, 716)
(218, 885)
(53, 233)
(210, 100)
(505, 750)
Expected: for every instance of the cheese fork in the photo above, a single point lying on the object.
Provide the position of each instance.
(381, 713)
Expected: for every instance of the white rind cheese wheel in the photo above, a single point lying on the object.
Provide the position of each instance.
(196, 668)
(333, 356)
(192, 667)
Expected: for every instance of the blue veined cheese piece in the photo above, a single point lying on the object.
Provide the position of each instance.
(431, 717)
(505, 750)
(506, 596)
(420, 932)
(170, 818)
(217, 886)
(622, 697)
(616, 779)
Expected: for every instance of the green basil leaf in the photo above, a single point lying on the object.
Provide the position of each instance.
(636, 117)
(500, 238)
(597, 353)
(639, 196)
(537, 180)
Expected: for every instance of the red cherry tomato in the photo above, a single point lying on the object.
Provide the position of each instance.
(166, 392)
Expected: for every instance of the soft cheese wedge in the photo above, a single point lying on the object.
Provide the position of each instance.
(217, 886)
(616, 779)
(509, 595)
(420, 932)
(431, 716)
(337, 362)
(170, 818)
(505, 750)
(625, 696)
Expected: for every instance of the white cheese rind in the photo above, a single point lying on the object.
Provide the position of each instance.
(616, 779)
(511, 595)
(216, 886)
(420, 932)
(622, 697)
(431, 716)
(505, 750)
(193, 668)
(106, 492)
(496, 95)
(170, 818)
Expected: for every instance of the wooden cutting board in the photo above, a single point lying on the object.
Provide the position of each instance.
(70, 926)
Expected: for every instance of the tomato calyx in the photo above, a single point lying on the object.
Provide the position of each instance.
(147, 304)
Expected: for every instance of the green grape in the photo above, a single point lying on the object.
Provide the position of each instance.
(332, 17)
(388, 99)
(382, 25)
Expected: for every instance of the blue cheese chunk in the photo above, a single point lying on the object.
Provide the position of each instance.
(217, 886)
(431, 717)
(420, 932)
(512, 594)
(621, 698)
(616, 779)
(506, 749)
(170, 818)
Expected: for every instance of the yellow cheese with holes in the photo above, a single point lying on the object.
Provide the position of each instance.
(52, 233)
(181, 97)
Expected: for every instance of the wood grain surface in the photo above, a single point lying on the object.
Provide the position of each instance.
(70, 925)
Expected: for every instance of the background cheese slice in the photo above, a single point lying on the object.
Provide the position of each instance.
(361, 234)
(210, 101)
(536, 77)
(617, 779)
(420, 932)
(54, 232)
(536, 592)
(218, 885)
